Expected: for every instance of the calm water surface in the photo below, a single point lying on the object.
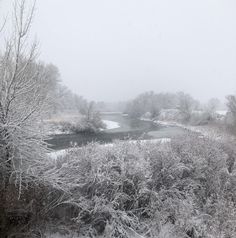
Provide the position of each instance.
(129, 129)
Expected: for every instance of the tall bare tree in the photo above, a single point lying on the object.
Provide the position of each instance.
(24, 95)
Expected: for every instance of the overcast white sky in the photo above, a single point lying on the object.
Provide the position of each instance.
(114, 49)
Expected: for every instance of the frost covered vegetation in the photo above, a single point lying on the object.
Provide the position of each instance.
(183, 109)
(93, 124)
(185, 188)
(90, 123)
(182, 188)
(176, 106)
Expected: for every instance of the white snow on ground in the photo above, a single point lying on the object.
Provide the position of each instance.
(56, 154)
(211, 132)
(111, 124)
(222, 112)
(196, 129)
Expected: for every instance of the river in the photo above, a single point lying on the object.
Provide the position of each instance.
(128, 128)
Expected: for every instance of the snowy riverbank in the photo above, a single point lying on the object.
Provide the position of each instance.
(111, 124)
(210, 131)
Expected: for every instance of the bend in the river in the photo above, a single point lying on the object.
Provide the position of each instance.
(128, 128)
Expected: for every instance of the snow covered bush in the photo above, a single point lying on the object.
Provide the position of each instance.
(83, 124)
(180, 189)
(183, 188)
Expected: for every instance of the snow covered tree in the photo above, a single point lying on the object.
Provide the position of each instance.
(24, 96)
(25, 92)
(212, 105)
(231, 104)
(143, 103)
(186, 105)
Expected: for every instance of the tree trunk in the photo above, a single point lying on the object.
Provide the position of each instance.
(4, 226)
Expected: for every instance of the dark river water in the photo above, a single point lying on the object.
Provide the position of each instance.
(128, 129)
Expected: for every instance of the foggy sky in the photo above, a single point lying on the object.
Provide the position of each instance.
(115, 49)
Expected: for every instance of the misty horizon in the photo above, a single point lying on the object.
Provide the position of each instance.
(112, 51)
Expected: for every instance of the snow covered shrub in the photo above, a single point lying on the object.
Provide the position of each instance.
(93, 124)
(107, 185)
(210, 183)
(177, 189)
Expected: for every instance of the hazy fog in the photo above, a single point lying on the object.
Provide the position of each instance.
(114, 49)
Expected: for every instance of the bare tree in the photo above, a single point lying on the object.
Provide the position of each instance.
(23, 98)
(24, 95)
